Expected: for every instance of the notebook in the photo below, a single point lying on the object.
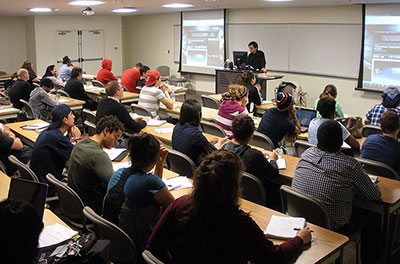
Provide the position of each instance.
(283, 227)
(32, 192)
(305, 116)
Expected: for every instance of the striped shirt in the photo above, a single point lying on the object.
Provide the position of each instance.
(333, 179)
(227, 112)
(374, 115)
(150, 98)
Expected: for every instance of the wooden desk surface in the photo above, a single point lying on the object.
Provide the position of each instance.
(27, 136)
(260, 107)
(325, 242)
(208, 114)
(7, 110)
(71, 102)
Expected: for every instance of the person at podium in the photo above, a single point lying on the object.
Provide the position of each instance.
(256, 57)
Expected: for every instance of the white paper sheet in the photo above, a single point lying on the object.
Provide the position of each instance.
(283, 227)
(63, 100)
(113, 153)
(35, 126)
(119, 165)
(165, 130)
(55, 234)
(180, 182)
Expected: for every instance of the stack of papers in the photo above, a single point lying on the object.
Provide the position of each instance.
(113, 153)
(165, 130)
(54, 234)
(36, 126)
(282, 227)
(155, 122)
(180, 182)
(281, 162)
(266, 102)
(120, 165)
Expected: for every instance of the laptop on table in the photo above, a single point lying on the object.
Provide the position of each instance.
(305, 116)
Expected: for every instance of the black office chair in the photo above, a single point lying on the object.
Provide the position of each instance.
(123, 249)
(253, 189)
(378, 168)
(140, 110)
(24, 170)
(91, 128)
(262, 141)
(3, 168)
(301, 146)
(62, 92)
(71, 204)
(180, 163)
(149, 258)
(210, 102)
(28, 110)
(370, 130)
(212, 128)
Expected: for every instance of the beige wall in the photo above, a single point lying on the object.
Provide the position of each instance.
(153, 50)
(12, 43)
(45, 27)
(31, 41)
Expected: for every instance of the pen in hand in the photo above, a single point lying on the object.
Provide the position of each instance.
(298, 229)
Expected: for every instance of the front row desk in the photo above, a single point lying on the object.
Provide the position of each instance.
(325, 246)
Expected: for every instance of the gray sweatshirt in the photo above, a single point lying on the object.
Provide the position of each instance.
(41, 104)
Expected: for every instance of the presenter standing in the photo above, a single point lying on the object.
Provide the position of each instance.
(256, 57)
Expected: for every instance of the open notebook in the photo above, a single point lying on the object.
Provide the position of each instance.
(283, 227)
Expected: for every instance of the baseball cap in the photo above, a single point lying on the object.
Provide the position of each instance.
(58, 113)
(153, 77)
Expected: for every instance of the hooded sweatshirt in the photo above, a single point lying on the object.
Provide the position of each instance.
(105, 75)
(227, 112)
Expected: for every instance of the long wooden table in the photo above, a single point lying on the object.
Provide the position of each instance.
(74, 104)
(95, 93)
(8, 111)
(28, 137)
(208, 114)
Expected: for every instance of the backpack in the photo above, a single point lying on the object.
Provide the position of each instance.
(298, 93)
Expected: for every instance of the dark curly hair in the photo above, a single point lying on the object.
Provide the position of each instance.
(144, 149)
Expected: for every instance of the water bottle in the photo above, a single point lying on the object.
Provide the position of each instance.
(57, 98)
(173, 97)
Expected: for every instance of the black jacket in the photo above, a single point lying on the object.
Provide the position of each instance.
(257, 60)
(75, 89)
(19, 90)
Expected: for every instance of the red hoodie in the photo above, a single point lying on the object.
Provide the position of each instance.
(105, 75)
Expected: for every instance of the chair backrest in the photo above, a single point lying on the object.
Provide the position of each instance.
(97, 83)
(212, 128)
(63, 93)
(164, 72)
(3, 168)
(262, 141)
(378, 168)
(35, 85)
(123, 249)
(209, 102)
(89, 115)
(301, 146)
(150, 258)
(71, 204)
(28, 109)
(370, 130)
(253, 189)
(91, 127)
(298, 204)
(140, 110)
(125, 89)
(180, 163)
(3, 73)
(24, 170)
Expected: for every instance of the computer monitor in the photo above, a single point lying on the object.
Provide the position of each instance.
(239, 58)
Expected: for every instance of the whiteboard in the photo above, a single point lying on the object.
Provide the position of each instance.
(322, 49)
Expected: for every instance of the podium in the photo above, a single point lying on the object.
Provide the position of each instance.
(225, 77)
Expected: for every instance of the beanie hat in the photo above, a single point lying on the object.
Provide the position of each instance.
(392, 96)
(284, 101)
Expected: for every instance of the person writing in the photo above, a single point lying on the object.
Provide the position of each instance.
(256, 58)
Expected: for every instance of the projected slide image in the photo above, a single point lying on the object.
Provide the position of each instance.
(386, 72)
(197, 57)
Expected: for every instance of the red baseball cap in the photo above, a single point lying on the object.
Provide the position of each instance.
(153, 77)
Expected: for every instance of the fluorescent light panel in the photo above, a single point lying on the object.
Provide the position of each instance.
(124, 10)
(40, 9)
(177, 5)
(86, 3)
(279, 0)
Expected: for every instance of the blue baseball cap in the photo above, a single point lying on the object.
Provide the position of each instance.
(58, 113)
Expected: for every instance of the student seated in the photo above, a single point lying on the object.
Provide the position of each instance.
(33, 78)
(66, 68)
(9, 82)
(20, 227)
(153, 93)
(144, 71)
(112, 106)
(335, 179)
(105, 75)
(187, 138)
(281, 120)
(254, 160)
(326, 107)
(11, 145)
(90, 169)
(209, 227)
(390, 101)
(248, 79)
(141, 193)
(331, 92)
(130, 77)
(385, 148)
(75, 89)
(234, 104)
(20, 89)
(52, 149)
(40, 100)
(51, 73)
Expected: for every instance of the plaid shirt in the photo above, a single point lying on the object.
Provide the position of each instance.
(374, 115)
(333, 179)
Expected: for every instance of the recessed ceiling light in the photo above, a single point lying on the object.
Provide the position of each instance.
(40, 9)
(86, 3)
(124, 10)
(279, 0)
(176, 5)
